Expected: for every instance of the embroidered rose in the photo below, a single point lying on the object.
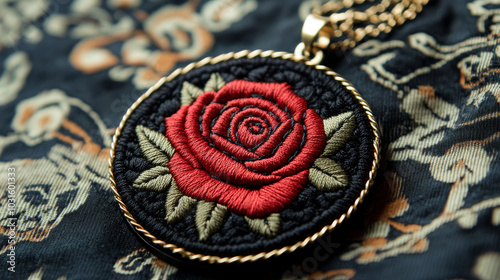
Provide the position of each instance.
(248, 146)
(245, 147)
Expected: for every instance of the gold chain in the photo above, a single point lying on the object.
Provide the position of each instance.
(338, 24)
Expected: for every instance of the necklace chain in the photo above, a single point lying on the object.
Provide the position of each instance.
(338, 24)
(352, 26)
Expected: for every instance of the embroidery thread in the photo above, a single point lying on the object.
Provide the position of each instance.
(264, 143)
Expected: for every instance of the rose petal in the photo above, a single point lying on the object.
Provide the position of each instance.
(270, 198)
(278, 114)
(222, 123)
(281, 93)
(235, 150)
(176, 134)
(212, 111)
(313, 147)
(250, 138)
(275, 137)
(285, 149)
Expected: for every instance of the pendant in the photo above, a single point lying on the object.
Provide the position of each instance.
(243, 157)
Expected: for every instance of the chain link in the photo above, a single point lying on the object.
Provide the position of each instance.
(348, 25)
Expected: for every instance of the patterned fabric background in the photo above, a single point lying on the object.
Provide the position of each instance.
(70, 69)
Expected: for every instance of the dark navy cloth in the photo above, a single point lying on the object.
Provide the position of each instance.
(69, 70)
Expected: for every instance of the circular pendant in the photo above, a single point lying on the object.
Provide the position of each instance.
(243, 157)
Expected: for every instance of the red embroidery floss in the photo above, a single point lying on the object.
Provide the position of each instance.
(248, 146)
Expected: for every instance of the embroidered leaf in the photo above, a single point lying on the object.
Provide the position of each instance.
(155, 179)
(209, 218)
(189, 93)
(215, 83)
(154, 146)
(177, 204)
(338, 130)
(268, 226)
(327, 175)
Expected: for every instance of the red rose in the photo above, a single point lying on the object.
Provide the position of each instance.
(248, 146)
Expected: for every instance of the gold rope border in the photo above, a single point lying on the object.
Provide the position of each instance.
(263, 255)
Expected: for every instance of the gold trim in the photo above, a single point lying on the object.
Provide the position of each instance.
(263, 255)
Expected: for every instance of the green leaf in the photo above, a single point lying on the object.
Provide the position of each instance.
(327, 175)
(215, 83)
(338, 130)
(155, 179)
(154, 146)
(209, 218)
(268, 226)
(177, 204)
(189, 93)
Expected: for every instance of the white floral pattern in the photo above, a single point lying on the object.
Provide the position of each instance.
(38, 117)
